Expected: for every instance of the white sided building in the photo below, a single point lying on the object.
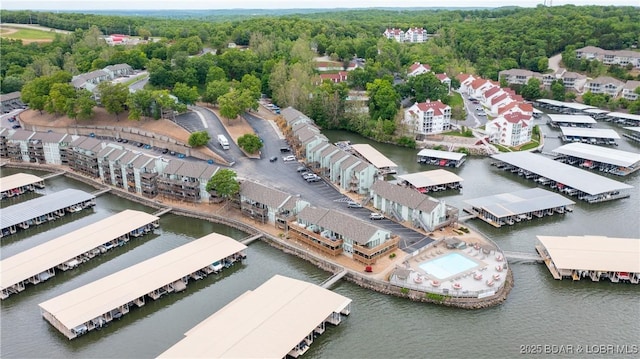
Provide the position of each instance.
(418, 69)
(511, 129)
(429, 117)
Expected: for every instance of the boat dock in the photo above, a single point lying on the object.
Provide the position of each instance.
(581, 121)
(603, 159)
(514, 207)
(441, 158)
(19, 183)
(594, 136)
(279, 319)
(594, 257)
(431, 181)
(43, 209)
(563, 107)
(39, 263)
(621, 118)
(375, 157)
(566, 179)
(633, 134)
(91, 306)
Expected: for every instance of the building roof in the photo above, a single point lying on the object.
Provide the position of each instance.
(607, 80)
(264, 323)
(36, 207)
(352, 160)
(456, 156)
(337, 222)
(103, 295)
(491, 91)
(571, 105)
(515, 117)
(520, 202)
(66, 247)
(600, 154)
(572, 119)
(597, 253)
(22, 135)
(18, 180)
(631, 85)
(633, 129)
(404, 196)
(430, 178)
(581, 180)
(373, 156)
(590, 132)
(627, 116)
(49, 137)
(263, 194)
(437, 107)
(290, 115)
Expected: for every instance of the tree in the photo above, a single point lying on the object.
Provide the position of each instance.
(139, 104)
(81, 107)
(383, 100)
(199, 138)
(186, 94)
(214, 90)
(250, 143)
(224, 183)
(558, 90)
(113, 97)
(229, 105)
(59, 97)
(11, 84)
(531, 91)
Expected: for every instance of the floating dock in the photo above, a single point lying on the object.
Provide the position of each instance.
(39, 263)
(431, 181)
(582, 121)
(633, 133)
(563, 107)
(594, 257)
(43, 209)
(624, 118)
(89, 307)
(441, 158)
(375, 157)
(279, 319)
(510, 208)
(594, 136)
(598, 158)
(584, 185)
(19, 183)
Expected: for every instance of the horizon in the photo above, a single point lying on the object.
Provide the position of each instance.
(186, 5)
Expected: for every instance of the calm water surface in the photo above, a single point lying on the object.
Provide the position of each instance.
(539, 310)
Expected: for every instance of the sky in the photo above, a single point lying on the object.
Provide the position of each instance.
(280, 4)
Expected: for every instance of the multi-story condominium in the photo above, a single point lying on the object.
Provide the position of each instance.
(518, 76)
(511, 129)
(186, 181)
(415, 34)
(573, 80)
(465, 82)
(395, 34)
(428, 118)
(604, 85)
(609, 57)
(268, 205)
(629, 90)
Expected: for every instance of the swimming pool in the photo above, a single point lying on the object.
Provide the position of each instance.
(448, 265)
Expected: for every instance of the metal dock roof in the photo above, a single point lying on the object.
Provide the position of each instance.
(627, 116)
(571, 105)
(64, 248)
(83, 304)
(597, 253)
(264, 323)
(377, 159)
(36, 207)
(519, 202)
(447, 155)
(572, 118)
(430, 178)
(600, 154)
(581, 180)
(18, 180)
(633, 129)
(589, 132)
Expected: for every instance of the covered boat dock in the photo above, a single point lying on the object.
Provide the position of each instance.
(39, 263)
(622, 118)
(603, 159)
(19, 183)
(594, 257)
(279, 319)
(43, 209)
(594, 136)
(584, 185)
(91, 306)
(431, 181)
(441, 158)
(633, 134)
(375, 157)
(563, 107)
(583, 121)
(510, 208)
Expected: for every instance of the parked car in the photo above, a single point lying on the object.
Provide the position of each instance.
(12, 119)
(313, 178)
(308, 175)
(375, 216)
(289, 158)
(301, 169)
(17, 125)
(273, 159)
(165, 151)
(352, 204)
(285, 149)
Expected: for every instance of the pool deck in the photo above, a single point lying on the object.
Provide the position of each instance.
(487, 276)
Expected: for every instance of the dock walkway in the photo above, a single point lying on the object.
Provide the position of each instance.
(522, 257)
(333, 279)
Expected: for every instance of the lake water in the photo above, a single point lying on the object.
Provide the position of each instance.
(539, 311)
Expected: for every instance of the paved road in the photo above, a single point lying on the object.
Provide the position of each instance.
(554, 62)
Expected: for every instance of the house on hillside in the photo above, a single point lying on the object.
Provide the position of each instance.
(445, 80)
(395, 34)
(518, 76)
(604, 85)
(510, 129)
(628, 91)
(323, 66)
(465, 82)
(418, 69)
(573, 81)
(428, 118)
(609, 57)
(340, 76)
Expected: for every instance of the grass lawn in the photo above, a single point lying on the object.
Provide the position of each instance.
(456, 99)
(28, 34)
(457, 133)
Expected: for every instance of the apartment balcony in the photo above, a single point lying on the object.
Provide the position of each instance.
(316, 240)
(369, 256)
(254, 211)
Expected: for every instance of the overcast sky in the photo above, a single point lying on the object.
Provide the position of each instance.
(279, 4)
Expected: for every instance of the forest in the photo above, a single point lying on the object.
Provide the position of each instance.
(275, 56)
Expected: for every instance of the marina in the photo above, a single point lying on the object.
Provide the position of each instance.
(564, 178)
(580, 121)
(373, 156)
(19, 183)
(281, 318)
(431, 181)
(607, 160)
(563, 107)
(91, 306)
(593, 257)
(594, 136)
(39, 263)
(633, 133)
(441, 158)
(510, 208)
(43, 209)
(622, 118)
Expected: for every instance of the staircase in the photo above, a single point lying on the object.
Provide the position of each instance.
(396, 215)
